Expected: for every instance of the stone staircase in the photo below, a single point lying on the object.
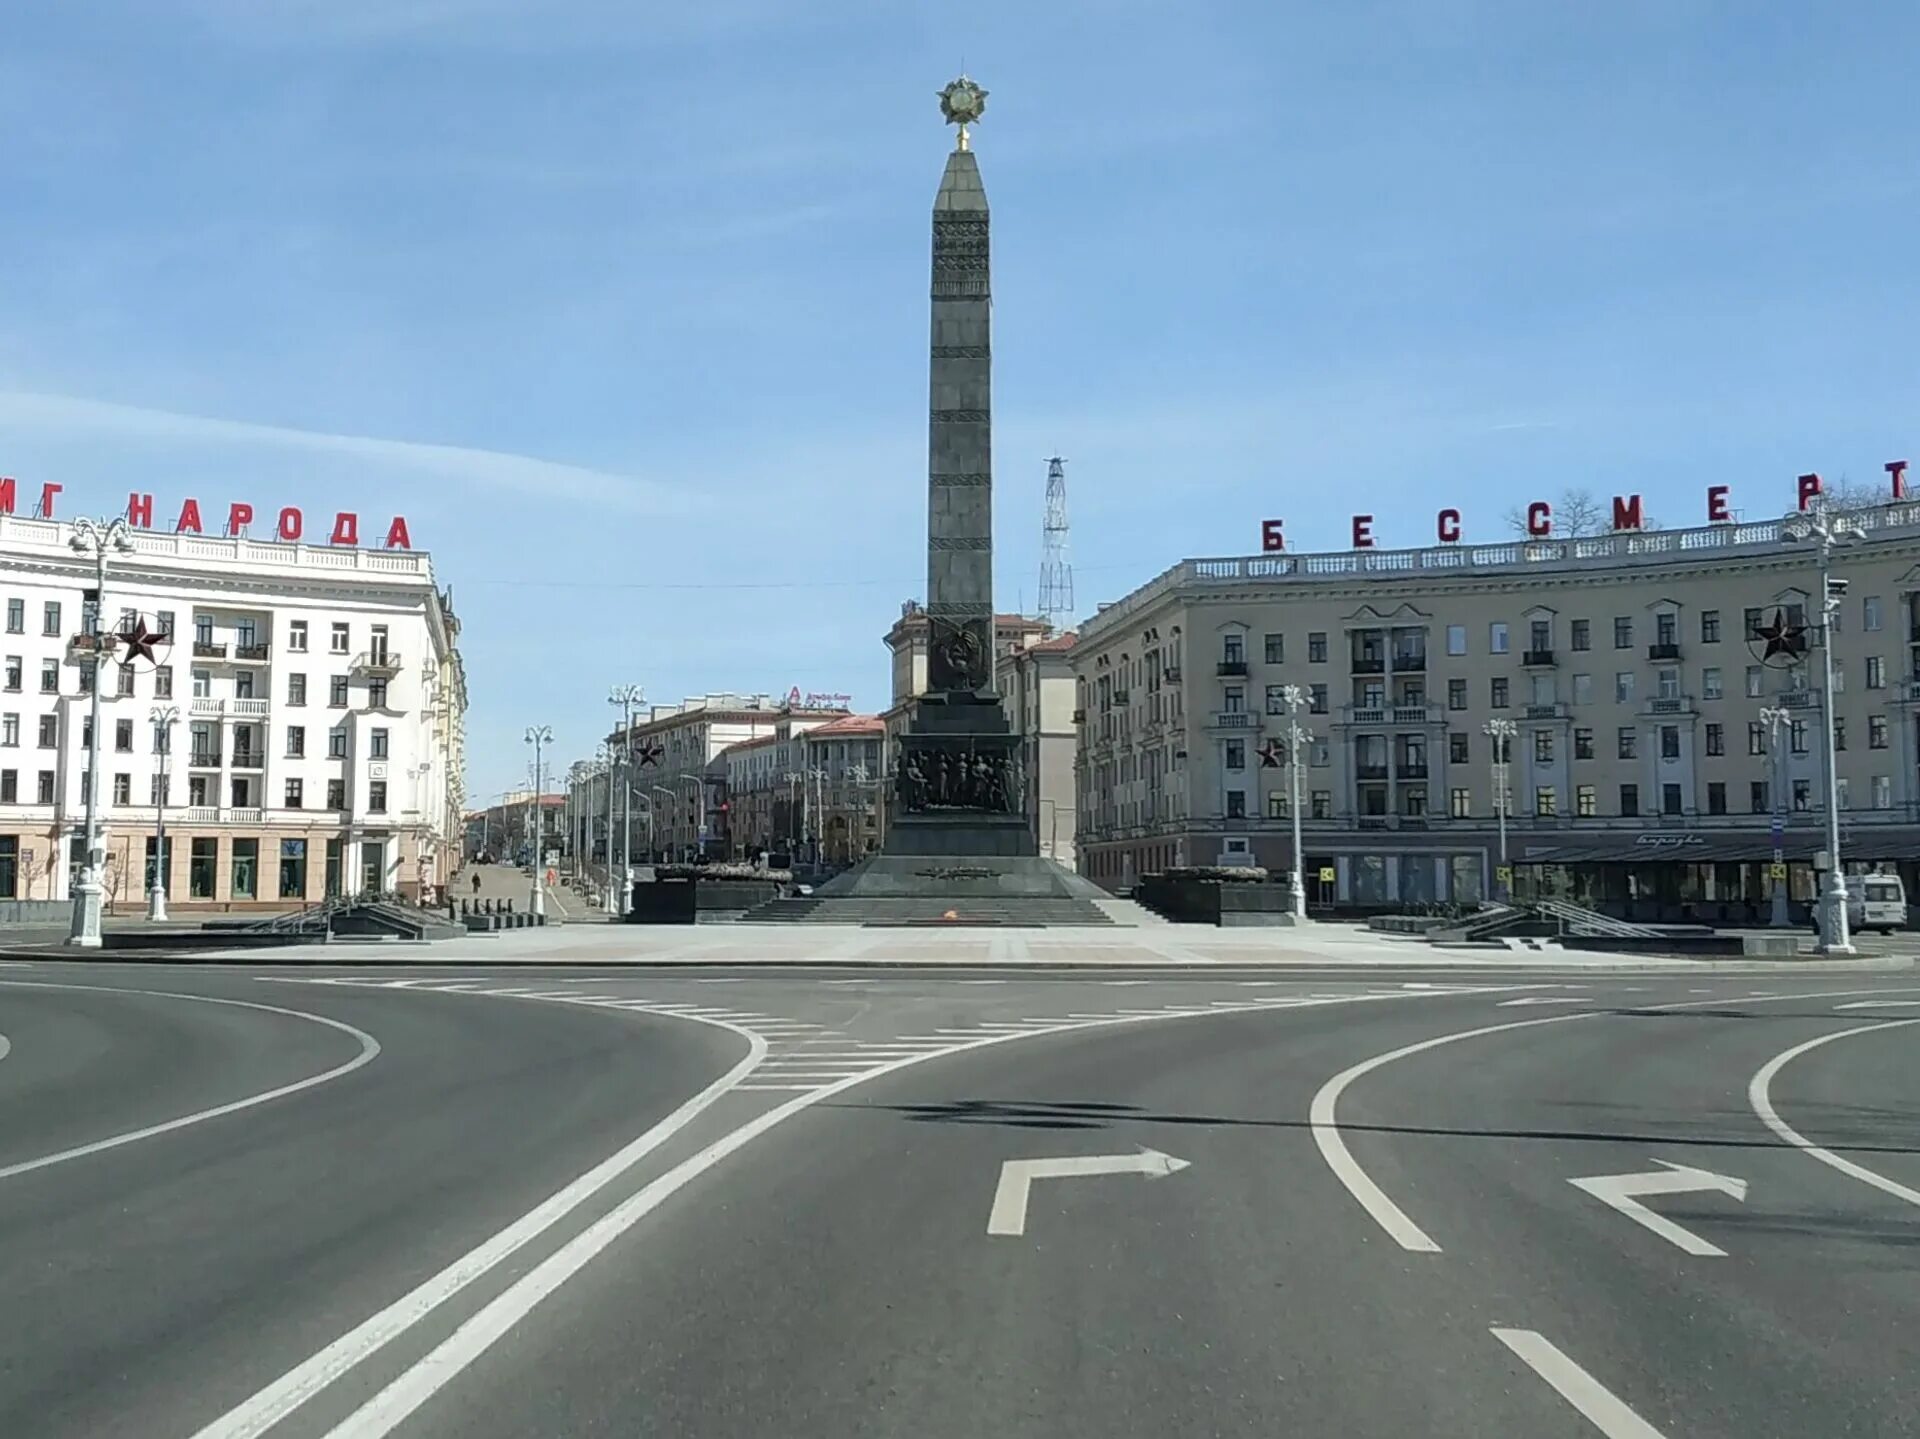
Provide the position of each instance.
(886, 910)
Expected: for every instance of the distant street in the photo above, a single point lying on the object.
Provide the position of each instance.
(501, 1202)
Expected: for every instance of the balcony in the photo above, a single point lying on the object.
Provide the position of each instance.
(1663, 652)
(204, 759)
(1366, 714)
(1172, 674)
(249, 759)
(1363, 665)
(1412, 771)
(1410, 663)
(1228, 668)
(208, 650)
(200, 814)
(206, 707)
(247, 816)
(1554, 711)
(1669, 706)
(1416, 714)
(256, 654)
(1537, 659)
(381, 664)
(1369, 771)
(1121, 697)
(1234, 719)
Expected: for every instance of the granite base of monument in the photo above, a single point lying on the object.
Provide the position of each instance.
(935, 889)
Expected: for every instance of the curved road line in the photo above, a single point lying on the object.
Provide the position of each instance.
(1762, 1103)
(1323, 1119)
(6, 1045)
(369, 1047)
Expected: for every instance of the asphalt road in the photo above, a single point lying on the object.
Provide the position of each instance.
(1320, 1204)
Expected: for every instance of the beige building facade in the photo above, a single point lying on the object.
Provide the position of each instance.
(1642, 772)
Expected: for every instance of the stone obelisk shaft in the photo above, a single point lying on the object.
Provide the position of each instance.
(960, 438)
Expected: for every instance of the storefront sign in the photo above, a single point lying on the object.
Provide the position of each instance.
(816, 700)
(1628, 512)
(1667, 841)
(289, 524)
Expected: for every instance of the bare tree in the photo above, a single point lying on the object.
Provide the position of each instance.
(1576, 514)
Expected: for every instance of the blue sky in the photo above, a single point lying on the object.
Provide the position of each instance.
(623, 303)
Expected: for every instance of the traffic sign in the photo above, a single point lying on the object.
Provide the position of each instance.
(1777, 870)
(1327, 874)
(1504, 873)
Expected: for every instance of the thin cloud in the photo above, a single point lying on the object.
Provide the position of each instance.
(495, 469)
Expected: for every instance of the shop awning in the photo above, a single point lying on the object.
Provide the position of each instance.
(1867, 843)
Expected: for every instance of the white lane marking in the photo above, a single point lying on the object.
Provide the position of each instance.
(1124, 983)
(1333, 1148)
(1541, 999)
(1880, 1004)
(5, 1045)
(1762, 1102)
(1622, 1191)
(414, 1387)
(1009, 1213)
(769, 1088)
(369, 1048)
(1573, 1384)
(270, 1405)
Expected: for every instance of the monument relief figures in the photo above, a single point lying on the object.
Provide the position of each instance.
(955, 778)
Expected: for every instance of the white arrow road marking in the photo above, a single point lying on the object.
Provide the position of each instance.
(1573, 1384)
(1009, 1214)
(1619, 1190)
(1880, 1004)
(1544, 999)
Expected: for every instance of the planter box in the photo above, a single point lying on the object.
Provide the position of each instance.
(699, 901)
(1210, 901)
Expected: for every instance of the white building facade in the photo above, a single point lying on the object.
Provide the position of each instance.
(318, 748)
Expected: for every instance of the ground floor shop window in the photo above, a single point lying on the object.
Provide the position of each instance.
(293, 869)
(9, 866)
(1416, 879)
(1468, 878)
(333, 868)
(246, 867)
(203, 860)
(166, 866)
(1368, 878)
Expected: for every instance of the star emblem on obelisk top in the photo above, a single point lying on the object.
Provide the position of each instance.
(963, 103)
(137, 641)
(1781, 640)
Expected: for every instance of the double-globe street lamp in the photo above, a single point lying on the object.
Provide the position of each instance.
(625, 698)
(1828, 528)
(539, 736)
(1779, 722)
(165, 717)
(98, 538)
(1501, 733)
(1298, 736)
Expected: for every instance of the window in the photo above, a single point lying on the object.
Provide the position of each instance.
(296, 741)
(1276, 649)
(1320, 755)
(1497, 692)
(203, 684)
(16, 617)
(295, 793)
(50, 618)
(202, 861)
(1546, 800)
(126, 680)
(1623, 687)
(1236, 757)
(297, 637)
(1583, 744)
(156, 791)
(243, 685)
(1756, 677)
(1541, 632)
(1236, 804)
(163, 683)
(86, 732)
(1543, 746)
(296, 689)
(1456, 694)
(1799, 732)
(1580, 634)
(9, 786)
(1233, 701)
(49, 731)
(163, 622)
(1877, 732)
(1317, 699)
(87, 668)
(1456, 639)
(1666, 628)
(1876, 672)
(1277, 805)
(1802, 794)
(336, 794)
(1870, 615)
(1882, 792)
(1628, 741)
(1585, 805)
(1457, 743)
(1233, 649)
(1839, 678)
(1669, 741)
(123, 736)
(1629, 800)
(1709, 627)
(1716, 739)
(1670, 799)
(1623, 632)
(1751, 620)
(1583, 689)
(1497, 638)
(1542, 686)
(123, 789)
(1710, 683)
(246, 634)
(15, 667)
(338, 644)
(203, 629)
(1845, 800)
(50, 677)
(337, 692)
(1757, 798)
(293, 869)
(246, 863)
(336, 744)
(1667, 683)
(377, 796)
(1317, 648)
(45, 787)
(1323, 804)
(1756, 738)
(1276, 699)
(9, 730)
(1460, 803)
(1839, 733)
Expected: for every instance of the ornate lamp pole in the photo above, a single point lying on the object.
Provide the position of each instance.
(1827, 528)
(99, 539)
(1501, 732)
(1297, 737)
(165, 717)
(625, 697)
(1779, 722)
(539, 736)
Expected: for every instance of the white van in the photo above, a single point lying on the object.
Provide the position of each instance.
(1876, 901)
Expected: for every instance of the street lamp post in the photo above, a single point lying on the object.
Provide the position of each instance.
(1298, 735)
(626, 697)
(671, 800)
(539, 736)
(1779, 723)
(1501, 732)
(1828, 528)
(98, 539)
(165, 717)
(610, 757)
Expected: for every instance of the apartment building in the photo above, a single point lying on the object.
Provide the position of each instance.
(318, 744)
(1660, 740)
(812, 790)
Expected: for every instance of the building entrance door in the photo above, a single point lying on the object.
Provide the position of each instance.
(373, 866)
